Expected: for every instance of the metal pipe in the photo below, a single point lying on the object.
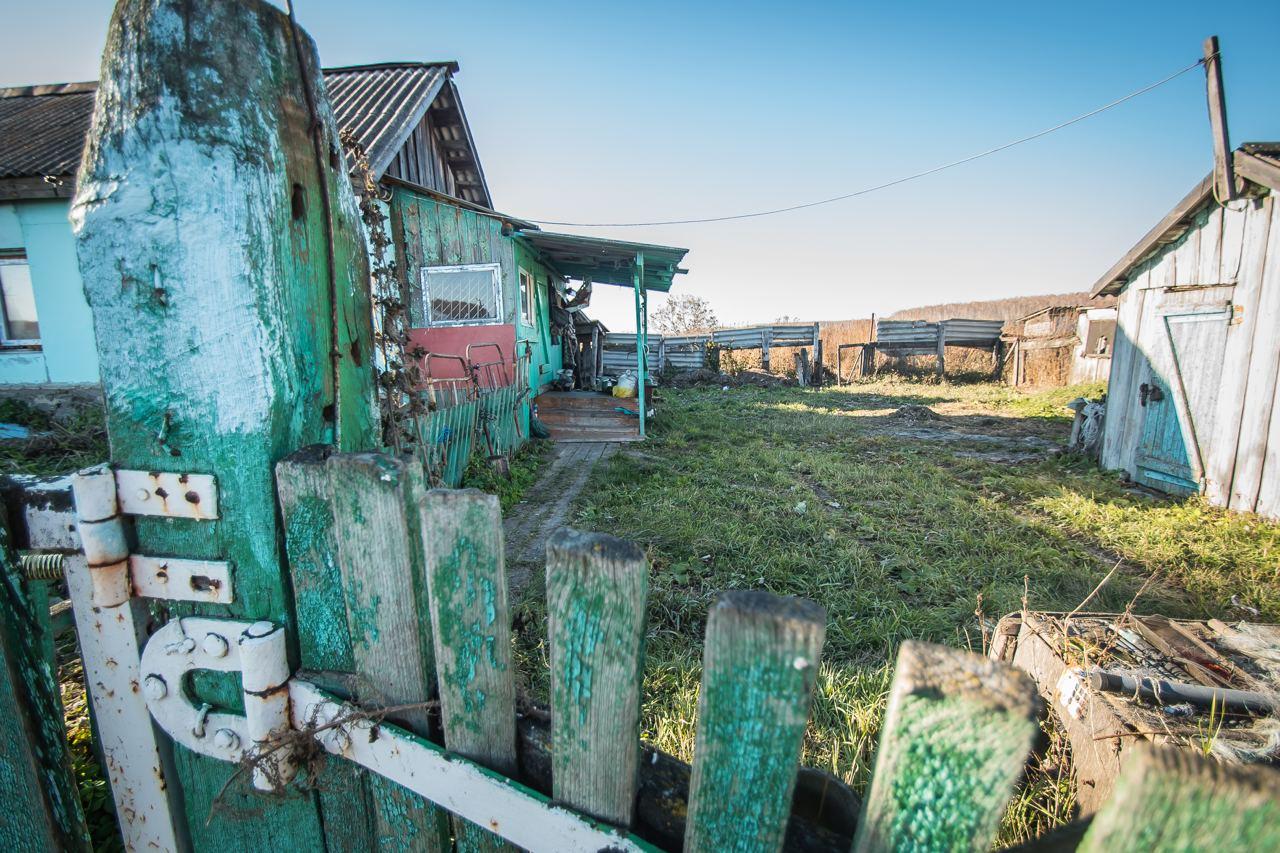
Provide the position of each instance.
(1172, 693)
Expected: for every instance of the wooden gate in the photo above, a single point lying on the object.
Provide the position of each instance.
(290, 642)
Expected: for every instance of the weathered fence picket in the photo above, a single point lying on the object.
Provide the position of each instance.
(471, 626)
(758, 668)
(597, 591)
(1167, 799)
(381, 591)
(957, 733)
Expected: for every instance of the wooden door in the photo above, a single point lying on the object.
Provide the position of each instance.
(1178, 394)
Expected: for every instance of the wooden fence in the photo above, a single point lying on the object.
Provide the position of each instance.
(247, 526)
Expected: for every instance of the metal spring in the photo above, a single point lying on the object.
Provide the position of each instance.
(41, 567)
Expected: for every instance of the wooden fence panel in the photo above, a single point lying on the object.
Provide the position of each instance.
(956, 736)
(597, 590)
(758, 669)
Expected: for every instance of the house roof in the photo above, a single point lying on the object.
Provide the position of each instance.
(43, 128)
(1258, 162)
(608, 261)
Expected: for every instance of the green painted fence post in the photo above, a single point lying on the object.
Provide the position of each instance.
(955, 740)
(1173, 799)
(220, 247)
(471, 627)
(758, 668)
(41, 807)
(597, 588)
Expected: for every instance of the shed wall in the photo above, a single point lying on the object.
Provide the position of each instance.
(1228, 258)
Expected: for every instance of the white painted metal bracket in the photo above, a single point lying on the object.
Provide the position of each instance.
(161, 493)
(257, 651)
(488, 799)
(109, 645)
(181, 580)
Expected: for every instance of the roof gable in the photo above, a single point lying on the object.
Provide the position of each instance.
(1258, 162)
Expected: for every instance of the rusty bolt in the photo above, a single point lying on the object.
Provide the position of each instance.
(193, 497)
(226, 739)
(215, 646)
(155, 688)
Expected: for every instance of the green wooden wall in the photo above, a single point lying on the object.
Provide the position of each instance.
(428, 232)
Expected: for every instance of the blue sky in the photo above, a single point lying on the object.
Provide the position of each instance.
(604, 112)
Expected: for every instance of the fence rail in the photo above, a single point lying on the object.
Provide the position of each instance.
(689, 352)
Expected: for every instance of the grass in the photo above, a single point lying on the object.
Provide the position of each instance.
(54, 447)
(819, 494)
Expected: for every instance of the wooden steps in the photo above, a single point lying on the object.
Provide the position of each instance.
(587, 416)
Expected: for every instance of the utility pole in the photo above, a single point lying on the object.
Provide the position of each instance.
(1224, 176)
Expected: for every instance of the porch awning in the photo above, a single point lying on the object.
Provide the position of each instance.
(608, 261)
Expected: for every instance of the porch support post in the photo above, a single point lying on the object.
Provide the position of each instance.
(642, 335)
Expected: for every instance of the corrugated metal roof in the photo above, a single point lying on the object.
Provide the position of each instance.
(382, 104)
(42, 128)
(608, 261)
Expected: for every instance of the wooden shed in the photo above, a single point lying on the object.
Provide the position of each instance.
(1193, 405)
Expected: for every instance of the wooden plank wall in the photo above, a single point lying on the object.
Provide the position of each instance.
(434, 233)
(421, 161)
(1237, 246)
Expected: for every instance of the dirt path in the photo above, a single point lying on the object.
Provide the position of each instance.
(545, 507)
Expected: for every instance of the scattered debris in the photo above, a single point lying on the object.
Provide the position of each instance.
(1119, 679)
(915, 413)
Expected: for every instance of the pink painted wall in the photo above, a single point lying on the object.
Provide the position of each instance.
(453, 340)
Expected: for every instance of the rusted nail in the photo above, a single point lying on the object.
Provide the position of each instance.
(192, 497)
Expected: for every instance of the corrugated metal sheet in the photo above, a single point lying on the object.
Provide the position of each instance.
(917, 333)
(981, 333)
(42, 128)
(906, 333)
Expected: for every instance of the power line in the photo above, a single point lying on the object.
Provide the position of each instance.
(887, 184)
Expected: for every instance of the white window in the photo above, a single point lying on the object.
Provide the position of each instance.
(17, 304)
(528, 298)
(466, 295)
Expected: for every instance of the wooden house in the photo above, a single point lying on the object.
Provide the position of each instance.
(480, 285)
(1061, 345)
(1192, 404)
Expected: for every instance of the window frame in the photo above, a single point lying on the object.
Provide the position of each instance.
(11, 258)
(425, 278)
(528, 297)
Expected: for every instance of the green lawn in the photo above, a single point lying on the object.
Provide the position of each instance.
(812, 493)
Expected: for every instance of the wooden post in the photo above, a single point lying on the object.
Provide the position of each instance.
(1173, 799)
(997, 357)
(642, 320)
(597, 589)
(759, 664)
(764, 349)
(1224, 175)
(219, 244)
(942, 348)
(817, 363)
(471, 626)
(956, 734)
(42, 807)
